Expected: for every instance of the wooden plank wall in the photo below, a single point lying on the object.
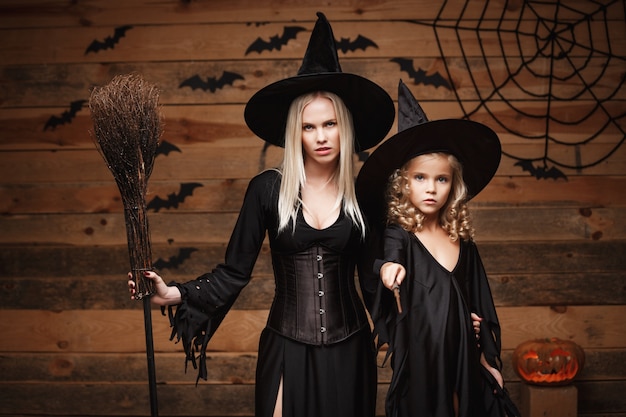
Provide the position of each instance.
(72, 343)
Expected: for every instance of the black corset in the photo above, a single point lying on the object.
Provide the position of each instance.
(316, 301)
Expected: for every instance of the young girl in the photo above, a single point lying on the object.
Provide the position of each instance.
(316, 354)
(428, 172)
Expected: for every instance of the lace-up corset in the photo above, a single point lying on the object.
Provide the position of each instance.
(316, 301)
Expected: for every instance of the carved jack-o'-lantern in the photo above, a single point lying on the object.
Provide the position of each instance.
(548, 361)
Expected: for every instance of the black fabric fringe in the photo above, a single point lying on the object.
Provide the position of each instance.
(192, 324)
(497, 399)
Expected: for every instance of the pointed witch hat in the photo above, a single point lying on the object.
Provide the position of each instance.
(371, 107)
(475, 145)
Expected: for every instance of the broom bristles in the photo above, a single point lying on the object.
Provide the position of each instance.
(127, 129)
(127, 125)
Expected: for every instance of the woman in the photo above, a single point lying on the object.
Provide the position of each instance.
(316, 355)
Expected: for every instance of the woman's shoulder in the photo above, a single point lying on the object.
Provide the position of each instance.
(270, 178)
(264, 188)
(268, 174)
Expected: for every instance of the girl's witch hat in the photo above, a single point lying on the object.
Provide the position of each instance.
(475, 145)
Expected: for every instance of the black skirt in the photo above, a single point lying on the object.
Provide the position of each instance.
(337, 380)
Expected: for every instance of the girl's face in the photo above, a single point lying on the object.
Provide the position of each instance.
(320, 132)
(430, 182)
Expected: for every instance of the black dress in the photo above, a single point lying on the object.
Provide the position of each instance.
(432, 343)
(317, 337)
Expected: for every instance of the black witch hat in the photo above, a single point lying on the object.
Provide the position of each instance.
(475, 145)
(371, 107)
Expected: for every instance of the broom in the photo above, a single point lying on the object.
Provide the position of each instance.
(127, 128)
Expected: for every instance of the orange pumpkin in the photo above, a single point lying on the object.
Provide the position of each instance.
(550, 361)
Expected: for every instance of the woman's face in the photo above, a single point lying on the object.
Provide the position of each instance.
(320, 132)
(430, 182)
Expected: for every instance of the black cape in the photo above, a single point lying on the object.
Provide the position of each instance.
(433, 348)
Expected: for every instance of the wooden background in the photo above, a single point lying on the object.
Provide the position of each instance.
(72, 343)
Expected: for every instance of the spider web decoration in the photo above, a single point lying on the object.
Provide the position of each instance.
(547, 65)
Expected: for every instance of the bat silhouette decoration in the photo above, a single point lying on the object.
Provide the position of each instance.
(109, 42)
(540, 172)
(66, 117)
(174, 261)
(275, 42)
(361, 42)
(212, 83)
(173, 199)
(419, 76)
(165, 148)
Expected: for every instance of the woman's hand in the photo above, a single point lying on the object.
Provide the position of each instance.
(164, 294)
(392, 274)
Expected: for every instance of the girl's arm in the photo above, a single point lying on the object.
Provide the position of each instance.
(483, 361)
(391, 268)
(392, 274)
(496, 374)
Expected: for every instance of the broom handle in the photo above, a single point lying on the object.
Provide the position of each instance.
(147, 316)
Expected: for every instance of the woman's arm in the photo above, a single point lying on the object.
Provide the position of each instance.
(165, 295)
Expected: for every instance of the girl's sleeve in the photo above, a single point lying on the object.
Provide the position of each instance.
(207, 299)
(390, 247)
(496, 399)
(482, 304)
(394, 247)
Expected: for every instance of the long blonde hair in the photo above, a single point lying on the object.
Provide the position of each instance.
(292, 169)
(454, 216)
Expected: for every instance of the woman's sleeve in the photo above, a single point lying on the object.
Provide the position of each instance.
(207, 299)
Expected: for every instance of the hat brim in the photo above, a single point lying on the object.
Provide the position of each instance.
(475, 145)
(371, 107)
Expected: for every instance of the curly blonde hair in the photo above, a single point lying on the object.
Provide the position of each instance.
(454, 216)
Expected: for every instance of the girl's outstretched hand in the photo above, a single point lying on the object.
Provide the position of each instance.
(164, 294)
(392, 274)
